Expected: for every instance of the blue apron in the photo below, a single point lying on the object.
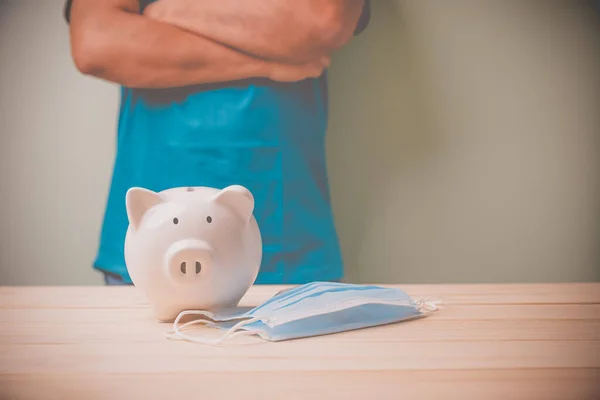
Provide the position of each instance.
(267, 136)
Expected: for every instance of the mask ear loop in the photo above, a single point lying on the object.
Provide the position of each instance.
(233, 331)
(193, 322)
(428, 305)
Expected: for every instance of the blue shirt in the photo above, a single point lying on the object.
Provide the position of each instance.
(267, 136)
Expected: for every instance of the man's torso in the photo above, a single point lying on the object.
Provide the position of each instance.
(267, 136)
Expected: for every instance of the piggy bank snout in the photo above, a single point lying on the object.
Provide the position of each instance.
(188, 260)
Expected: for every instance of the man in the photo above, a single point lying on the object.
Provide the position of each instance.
(223, 92)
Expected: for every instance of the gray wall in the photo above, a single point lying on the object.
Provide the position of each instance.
(463, 145)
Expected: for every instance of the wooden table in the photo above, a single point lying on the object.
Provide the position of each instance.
(487, 342)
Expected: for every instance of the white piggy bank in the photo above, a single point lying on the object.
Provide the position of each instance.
(192, 248)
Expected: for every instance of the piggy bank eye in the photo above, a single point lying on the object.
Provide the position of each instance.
(175, 221)
(209, 219)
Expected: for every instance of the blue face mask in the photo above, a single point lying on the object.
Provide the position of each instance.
(314, 309)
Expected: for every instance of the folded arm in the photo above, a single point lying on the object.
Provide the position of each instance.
(283, 30)
(112, 41)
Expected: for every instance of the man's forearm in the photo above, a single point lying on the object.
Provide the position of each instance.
(121, 46)
(283, 30)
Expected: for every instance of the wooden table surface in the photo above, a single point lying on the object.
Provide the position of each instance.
(486, 342)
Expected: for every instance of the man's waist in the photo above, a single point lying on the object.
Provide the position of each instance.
(308, 94)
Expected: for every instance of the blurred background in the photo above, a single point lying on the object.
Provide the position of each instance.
(463, 145)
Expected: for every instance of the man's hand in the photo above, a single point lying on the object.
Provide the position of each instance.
(289, 31)
(297, 72)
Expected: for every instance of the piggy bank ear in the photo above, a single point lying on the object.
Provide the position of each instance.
(238, 199)
(138, 201)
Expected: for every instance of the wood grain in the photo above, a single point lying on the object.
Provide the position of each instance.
(488, 341)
